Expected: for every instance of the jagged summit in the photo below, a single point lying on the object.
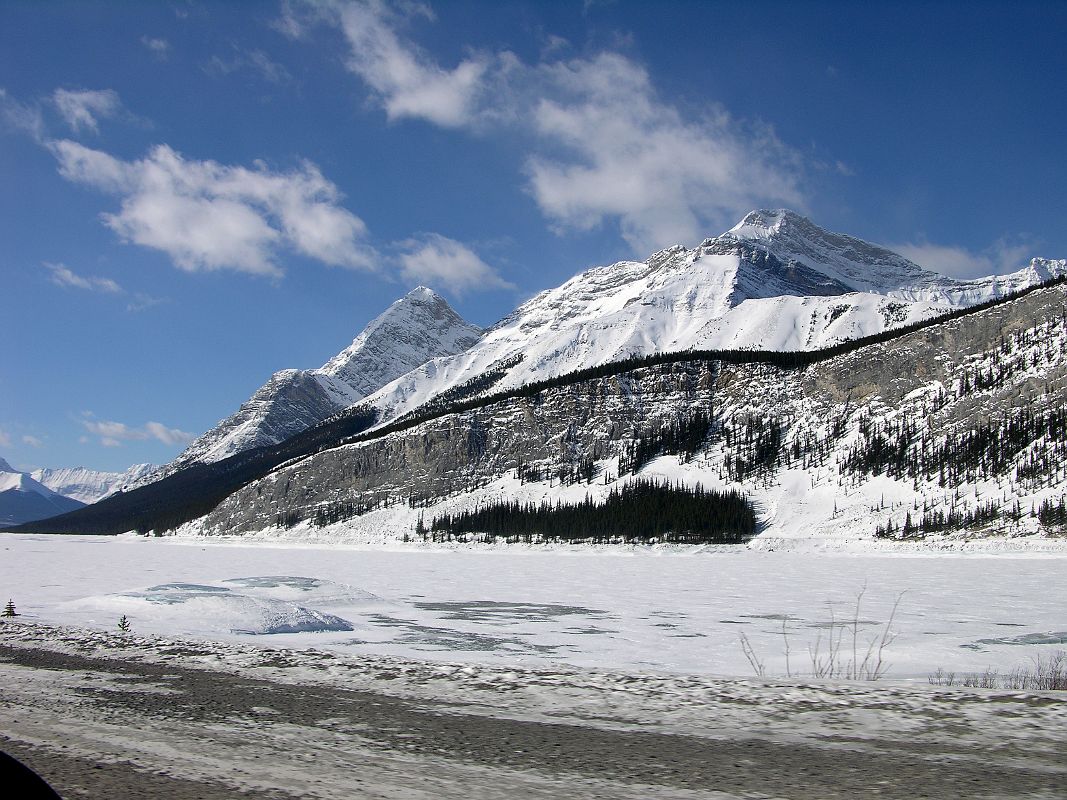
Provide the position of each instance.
(5, 467)
(818, 258)
(418, 327)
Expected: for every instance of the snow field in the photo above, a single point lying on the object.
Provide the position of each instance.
(638, 610)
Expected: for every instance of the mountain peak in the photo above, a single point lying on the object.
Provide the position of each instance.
(763, 223)
(5, 467)
(419, 314)
(423, 293)
(797, 243)
(414, 329)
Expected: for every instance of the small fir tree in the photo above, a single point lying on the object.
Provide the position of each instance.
(9, 609)
(124, 624)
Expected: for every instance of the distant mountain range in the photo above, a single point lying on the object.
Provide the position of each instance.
(28, 496)
(22, 499)
(774, 284)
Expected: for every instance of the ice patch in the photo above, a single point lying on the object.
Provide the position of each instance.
(305, 590)
(489, 612)
(1054, 637)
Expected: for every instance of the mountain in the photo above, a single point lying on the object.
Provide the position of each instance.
(956, 428)
(775, 281)
(414, 329)
(22, 499)
(788, 343)
(87, 485)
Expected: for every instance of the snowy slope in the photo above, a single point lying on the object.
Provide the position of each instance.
(417, 327)
(22, 499)
(775, 281)
(87, 485)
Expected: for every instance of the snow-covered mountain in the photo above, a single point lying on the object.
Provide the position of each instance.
(775, 281)
(23, 499)
(416, 328)
(954, 430)
(88, 485)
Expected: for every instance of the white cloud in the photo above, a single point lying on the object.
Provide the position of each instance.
(32, 441)
(25, 119)
(290, 23)
(5, 439)
(1004, 255)
(606, 146)
(142, 301)
(448, 264)
(628, 156)
(83, 109)
(210, 216)
(62, 276)
(407, 81)
(254, 60)
(157, 430)
(113, 434)
(160, 48)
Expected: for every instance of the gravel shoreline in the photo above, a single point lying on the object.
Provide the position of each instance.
(102, 716)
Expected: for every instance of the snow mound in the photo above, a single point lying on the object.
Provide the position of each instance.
(217, 609)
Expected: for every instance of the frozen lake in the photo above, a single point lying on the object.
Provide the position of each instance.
(630, 611)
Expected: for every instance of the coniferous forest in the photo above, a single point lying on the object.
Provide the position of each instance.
(641, 511)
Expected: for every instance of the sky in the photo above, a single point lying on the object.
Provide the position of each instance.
(194, 195)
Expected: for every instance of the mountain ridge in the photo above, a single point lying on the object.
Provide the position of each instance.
(196, 490)
(747, 288)
(848, 445)
(88, 485)
(732, 294)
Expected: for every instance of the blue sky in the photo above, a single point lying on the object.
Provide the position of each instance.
(195, 195)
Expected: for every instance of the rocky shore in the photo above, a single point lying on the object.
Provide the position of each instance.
(102, 715)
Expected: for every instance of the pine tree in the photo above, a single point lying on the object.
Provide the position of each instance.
(9, 609)
(124, 624)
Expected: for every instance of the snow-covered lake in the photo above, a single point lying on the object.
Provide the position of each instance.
(629, 611)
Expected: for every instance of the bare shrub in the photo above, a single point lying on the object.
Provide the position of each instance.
(838, 652)
(1045, 673)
